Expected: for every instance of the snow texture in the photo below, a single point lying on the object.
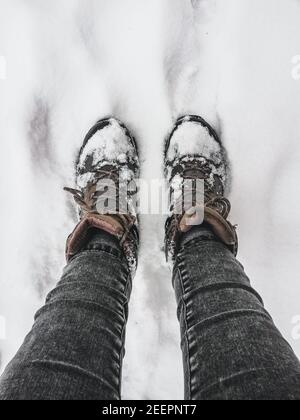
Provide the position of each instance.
(72, 62)
(191, 141)
(108, 146)
(192, 138)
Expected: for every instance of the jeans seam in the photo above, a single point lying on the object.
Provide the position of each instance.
(186, 336)
(238, 374)
(224, 286)
(48, 305)
(60, 364)
(121, 355)
(95, 284)
(204, 239)
(119, 257)
(224, 316)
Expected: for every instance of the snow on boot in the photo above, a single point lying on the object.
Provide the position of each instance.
(195, 156)
(106, 172)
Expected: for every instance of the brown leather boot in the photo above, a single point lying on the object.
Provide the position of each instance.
(106, 171)
(196, 160)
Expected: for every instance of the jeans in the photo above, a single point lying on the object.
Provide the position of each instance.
(231, 347)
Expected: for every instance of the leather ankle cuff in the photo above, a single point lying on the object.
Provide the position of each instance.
(128, 238)
(222, 228)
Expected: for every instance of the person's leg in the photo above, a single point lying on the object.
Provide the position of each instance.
(75, 348)
(231, 347)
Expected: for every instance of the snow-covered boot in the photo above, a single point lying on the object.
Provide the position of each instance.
(106, 172)
(195, 159)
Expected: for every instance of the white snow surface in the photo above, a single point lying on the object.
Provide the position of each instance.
(72, 62)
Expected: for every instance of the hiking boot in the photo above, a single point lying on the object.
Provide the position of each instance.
(106, 172)
(197, 173)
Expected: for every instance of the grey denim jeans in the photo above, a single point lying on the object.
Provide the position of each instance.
(231, 347)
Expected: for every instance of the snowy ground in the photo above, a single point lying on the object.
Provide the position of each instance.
(70, 62)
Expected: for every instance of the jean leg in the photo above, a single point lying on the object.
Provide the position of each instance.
(231, 347)
(76, 346)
